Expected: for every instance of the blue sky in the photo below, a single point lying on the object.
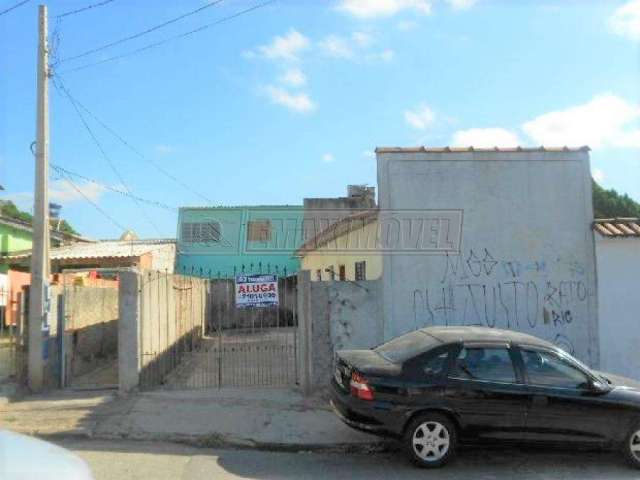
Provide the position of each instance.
(290, 100)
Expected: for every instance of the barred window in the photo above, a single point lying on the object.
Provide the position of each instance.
(361, 271)
(259, 231)
(201, 232)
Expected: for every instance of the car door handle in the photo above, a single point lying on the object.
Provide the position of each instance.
(540, 400)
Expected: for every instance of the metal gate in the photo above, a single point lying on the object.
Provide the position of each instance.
(13, 349)
(219, 345)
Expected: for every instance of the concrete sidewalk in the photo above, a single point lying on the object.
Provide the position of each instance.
(248, 418)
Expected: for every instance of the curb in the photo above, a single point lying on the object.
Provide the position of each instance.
(225, 442)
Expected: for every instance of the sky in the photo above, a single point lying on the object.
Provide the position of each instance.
(290, 99)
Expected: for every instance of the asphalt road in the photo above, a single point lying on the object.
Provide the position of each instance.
(125, 460)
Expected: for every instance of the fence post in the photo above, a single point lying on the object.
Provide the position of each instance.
(129, 345)
(62, 354)
(304, 329)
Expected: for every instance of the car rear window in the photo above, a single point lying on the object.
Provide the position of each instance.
(406, 346)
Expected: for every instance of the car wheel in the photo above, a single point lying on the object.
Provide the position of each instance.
(632, 447)
(431, 440)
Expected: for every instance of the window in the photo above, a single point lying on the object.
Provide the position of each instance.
(319, 275)
(488, 364)
(547, 369)
(331, 272)
(200, 232)
(406, 346)
(361, 271)
(259, 231)
(342, 273)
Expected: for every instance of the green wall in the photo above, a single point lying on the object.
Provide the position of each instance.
(234, 252)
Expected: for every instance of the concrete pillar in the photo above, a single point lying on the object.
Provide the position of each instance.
(129, 354)
(305, 353)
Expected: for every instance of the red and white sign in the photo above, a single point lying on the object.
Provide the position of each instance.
(256, 291)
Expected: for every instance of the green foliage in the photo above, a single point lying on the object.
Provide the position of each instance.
(610, 204)
(8, 209)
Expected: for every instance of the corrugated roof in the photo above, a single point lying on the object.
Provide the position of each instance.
(474, 149)
(335, 230)
(102, 249)
(617, 227)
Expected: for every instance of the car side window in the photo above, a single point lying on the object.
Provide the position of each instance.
(428, 365)
(547, 369)
(488, 364)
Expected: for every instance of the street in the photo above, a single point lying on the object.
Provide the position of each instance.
(125, 460)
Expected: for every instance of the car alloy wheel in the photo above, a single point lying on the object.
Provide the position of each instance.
(430, 440)
(632, 449)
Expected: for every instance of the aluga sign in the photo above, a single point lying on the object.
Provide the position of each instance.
(256, 291)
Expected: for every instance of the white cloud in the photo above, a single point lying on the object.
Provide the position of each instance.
(328, 158)
(63, 192)
(362, 39)
(625, 20)
(298, 102)
(604, 121)
(598, 175)
(294, 77)
(287, 47)
(163, 149)
(420, 118)
(406, 25)
(385, 55)
(336, 46)
(461, 4)
(368, 154)
(485, 138)
(383, 8)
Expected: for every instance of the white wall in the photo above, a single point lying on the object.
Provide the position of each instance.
(618, 262)
(525, 259)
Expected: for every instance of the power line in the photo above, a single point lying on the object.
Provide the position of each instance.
(140, 34)
(95, 205)
(84, 9)
(19, 4)
(60, 86)
(141, 155)
(169, 39)
(64, 172)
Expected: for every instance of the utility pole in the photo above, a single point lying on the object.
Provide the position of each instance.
(39, 291)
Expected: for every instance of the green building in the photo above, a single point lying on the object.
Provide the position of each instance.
(225, 241)
(16, 235)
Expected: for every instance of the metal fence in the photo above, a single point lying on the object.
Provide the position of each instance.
(13, 345)
(194, 336)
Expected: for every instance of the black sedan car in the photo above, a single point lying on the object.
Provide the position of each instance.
(437, 387)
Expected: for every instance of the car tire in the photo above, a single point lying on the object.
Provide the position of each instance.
(631, 447)
(430, 440)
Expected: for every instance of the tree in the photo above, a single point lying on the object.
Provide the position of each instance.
(611, 204)
(8, 209)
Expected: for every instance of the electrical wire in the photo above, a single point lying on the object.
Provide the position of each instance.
(95, 205)
(61, 88)
(141, 155)
(140, 34)
(83, 9)
(169, 39)
(66, 172)
(19, 4)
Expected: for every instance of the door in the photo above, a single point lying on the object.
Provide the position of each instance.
(486, 390)
(424, 377)
(562, 407)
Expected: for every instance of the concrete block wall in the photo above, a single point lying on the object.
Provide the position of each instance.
(342, 315)
(525, 256)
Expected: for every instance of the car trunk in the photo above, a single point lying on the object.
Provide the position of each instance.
(366, 362)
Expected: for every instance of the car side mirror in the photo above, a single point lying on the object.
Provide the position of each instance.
(597, 388)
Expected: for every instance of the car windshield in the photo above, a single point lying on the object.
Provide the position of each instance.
(406, 346)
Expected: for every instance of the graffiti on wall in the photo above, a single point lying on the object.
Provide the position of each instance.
(479, 288)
